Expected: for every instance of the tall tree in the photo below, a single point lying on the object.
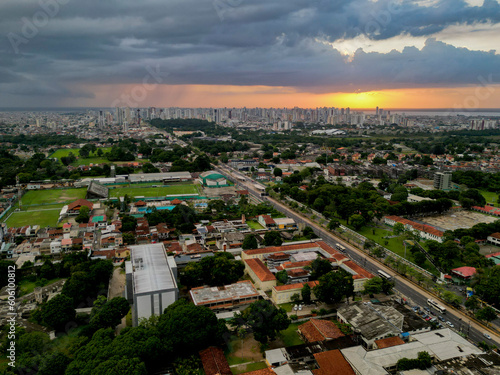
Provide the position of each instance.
(272, 238)
(58, 311)
(190, 328)
(334, 286)
(109, 314)
(306, 293)
(249, 242)
(264, 319)
(320, 267)
(487, 314)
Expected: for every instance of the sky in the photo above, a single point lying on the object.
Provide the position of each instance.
(235, 53)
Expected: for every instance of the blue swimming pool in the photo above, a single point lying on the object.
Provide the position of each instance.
(148, 209)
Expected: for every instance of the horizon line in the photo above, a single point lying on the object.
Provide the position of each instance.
(217, 107)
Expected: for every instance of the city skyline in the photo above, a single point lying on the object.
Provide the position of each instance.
(232, 53)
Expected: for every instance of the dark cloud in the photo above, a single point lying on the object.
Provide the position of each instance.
(233, 42)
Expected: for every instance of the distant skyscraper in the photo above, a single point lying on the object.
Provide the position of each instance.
(442, 180)
(101, 119)
(376, 111)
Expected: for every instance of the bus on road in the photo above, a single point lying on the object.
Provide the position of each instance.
(436, 305)
(340, 248)
(384, 275)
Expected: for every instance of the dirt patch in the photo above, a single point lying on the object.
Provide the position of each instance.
(247, 349)
(117, 283)
(458, 219)
(66, 197)
(488, 249)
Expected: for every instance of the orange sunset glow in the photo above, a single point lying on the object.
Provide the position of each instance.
(267, 96)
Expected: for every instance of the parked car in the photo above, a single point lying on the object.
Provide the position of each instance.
(441, 318)
(450, 324)
(428, 318)
(300, 307)
(295, 307)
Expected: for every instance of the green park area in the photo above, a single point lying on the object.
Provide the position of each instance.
(63, 152)
(42, 216)
(149, 191)
(386, 238)
(52, 196)
(245, 350)
(254, 225)
(27, 287)
(92, 159)
(42, 207)
(491, 197)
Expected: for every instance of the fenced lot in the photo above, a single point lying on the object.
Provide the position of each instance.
(459, 219)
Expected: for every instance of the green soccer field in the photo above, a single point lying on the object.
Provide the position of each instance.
(153, 192)
(62, 152)
(52, 196)
(490, 197)
(44, 218)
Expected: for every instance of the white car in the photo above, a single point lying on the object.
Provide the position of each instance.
(295, 307)
(300, 307)
(487, 336)
(450, 324)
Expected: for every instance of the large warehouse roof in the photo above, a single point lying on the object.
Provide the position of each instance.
(151, 269)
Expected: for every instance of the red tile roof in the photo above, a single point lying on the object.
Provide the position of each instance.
(320, 330)
(464, 271)
(421, 227)
(361, 273)
(297, 272)
(289, 265)
(388, 342)
(214, 362)
(495, 235)
(310, 245)
(281, 288)
(268, 219)
(264, 371)
(80, 202)
(332, 362)
(260, 270)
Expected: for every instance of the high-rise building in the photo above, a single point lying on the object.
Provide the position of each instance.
(101, 119)
(442, 180)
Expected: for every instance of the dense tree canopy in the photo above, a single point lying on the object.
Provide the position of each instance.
(334, 286)
(57, 312)
(264, 320)
(219, 269)
(272, 238)
(109, 314)
(249, 242)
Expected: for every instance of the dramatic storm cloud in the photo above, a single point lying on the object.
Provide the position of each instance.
(60, 49)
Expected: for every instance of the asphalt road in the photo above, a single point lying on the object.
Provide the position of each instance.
(414, 294)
